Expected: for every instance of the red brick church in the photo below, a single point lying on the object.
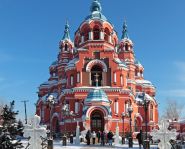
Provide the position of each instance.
(98, 80)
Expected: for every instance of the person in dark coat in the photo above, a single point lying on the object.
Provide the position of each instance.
(140, 138)
(110, 137)
(98, 136)
(103, 135)
(88, 137)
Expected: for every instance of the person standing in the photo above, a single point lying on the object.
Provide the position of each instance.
(94, 137)
(99, 136)
(88, 137)
(140, 138)
(103, 135)
(110, 137)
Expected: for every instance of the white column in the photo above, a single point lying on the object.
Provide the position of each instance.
(90, 35)
(126, 107)
(76, 107)
(110, 39)
(101, 35)
(81, 77)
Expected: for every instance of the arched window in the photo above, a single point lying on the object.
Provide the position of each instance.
(96, 33)
(107, 34)
(136, 73)
(85, 33)
(116, 107)
(151, 112)
(126, 47)
(54, 74)
(66, 47)
(96, 72)
(86, 36)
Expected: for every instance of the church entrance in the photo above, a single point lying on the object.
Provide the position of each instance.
(97, 121)
(96, 73)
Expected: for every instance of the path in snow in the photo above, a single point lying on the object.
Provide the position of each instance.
(58, 145)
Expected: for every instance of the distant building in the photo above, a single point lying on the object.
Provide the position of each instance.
(98, 78)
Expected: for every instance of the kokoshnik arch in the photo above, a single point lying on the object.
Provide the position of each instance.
(97, 77)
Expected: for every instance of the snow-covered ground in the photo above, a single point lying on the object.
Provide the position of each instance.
(58, 145)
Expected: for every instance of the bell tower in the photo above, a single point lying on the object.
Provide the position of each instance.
(126, 54)
(66, 53)
(125, 50)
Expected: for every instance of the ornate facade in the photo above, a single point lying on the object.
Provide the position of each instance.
(97, 78)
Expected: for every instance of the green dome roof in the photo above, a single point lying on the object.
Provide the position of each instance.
(97, 95)
(96, 11)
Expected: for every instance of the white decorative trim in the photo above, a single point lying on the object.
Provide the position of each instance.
(96, 107)
(96, 61)
(139, 115)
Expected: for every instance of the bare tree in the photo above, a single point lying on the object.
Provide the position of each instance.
(1, 109)
(173, 110)
(1, 105)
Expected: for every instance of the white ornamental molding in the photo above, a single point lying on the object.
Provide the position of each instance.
(96, 61)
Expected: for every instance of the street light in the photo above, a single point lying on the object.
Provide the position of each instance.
(66, 112)
(145, 104)
(130, 110)
(51, 102)
(123, 136)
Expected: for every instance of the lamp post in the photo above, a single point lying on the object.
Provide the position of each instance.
(71, 114)
(145, 104)
(66, 113)
(130, 110)
(51, 102)
(123, 136)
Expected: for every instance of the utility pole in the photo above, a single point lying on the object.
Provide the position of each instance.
(25, 101)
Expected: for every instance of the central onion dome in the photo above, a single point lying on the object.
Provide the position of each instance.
(96, 28)
(97, 95)
(96, 11)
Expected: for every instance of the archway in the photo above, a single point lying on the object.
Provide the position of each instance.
(97, 121)
(138, 124)
(96, 72)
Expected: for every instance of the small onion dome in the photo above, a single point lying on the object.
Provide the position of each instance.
(125, 37)
(137, 63)
(97, 95)
(66, 32)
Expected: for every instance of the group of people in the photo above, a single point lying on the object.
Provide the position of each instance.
(101, 137)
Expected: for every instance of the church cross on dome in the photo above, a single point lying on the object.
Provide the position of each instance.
(66, 32)
(125, 31)
(96, 6)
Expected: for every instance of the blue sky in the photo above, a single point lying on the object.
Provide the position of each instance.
(31, 30)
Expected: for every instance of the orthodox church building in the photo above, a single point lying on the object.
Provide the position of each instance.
(96, 81)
